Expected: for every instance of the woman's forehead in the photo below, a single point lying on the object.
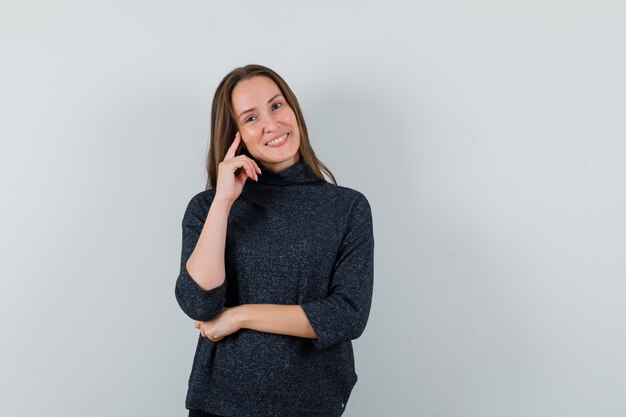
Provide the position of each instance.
(257, 87)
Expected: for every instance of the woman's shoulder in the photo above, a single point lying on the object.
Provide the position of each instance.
(198, 205)
(205, 196)
(345, 193)
(351, 202)
(202, 198)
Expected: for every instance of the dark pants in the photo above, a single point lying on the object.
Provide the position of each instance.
(200, 413)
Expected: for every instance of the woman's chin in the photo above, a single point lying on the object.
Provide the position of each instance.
(277, 159)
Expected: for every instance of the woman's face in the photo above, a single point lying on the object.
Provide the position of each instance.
(263, 116)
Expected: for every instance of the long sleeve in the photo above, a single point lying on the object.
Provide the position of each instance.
(197, 303)
(343, 314)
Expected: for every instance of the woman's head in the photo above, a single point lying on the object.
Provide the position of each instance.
(267, 124)
(258, 103)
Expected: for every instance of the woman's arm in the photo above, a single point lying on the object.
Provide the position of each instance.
(283, 319)
(201, 285)
(343, 314)
(201, 293)
(276, 318)
(206, 263)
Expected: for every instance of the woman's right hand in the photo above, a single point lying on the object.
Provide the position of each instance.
(229, 185)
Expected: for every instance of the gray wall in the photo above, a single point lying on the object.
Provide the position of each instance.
(488, 136)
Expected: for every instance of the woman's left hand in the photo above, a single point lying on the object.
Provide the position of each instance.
(223, 324)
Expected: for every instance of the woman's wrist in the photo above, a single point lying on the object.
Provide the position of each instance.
(242, 315)
(221, 202)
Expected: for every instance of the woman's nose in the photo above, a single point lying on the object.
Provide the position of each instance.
(271, 124)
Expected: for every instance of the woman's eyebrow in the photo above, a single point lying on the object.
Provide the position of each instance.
(254, 108)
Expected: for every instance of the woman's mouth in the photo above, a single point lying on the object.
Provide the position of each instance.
(278, 142)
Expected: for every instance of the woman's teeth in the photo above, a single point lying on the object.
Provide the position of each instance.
(277, 141)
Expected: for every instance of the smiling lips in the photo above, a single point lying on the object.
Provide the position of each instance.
(279, 141)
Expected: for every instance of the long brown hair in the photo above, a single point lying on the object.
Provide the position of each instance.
(224, 127)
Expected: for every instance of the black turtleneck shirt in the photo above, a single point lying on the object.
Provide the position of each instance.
(292, 238)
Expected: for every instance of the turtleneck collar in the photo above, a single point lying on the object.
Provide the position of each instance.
(298, 173)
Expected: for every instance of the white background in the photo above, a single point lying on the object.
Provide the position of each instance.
(488, 136)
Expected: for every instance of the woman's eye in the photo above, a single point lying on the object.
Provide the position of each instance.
(248, 119)
(278, 104)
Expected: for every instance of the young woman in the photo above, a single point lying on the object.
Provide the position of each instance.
(277, 264)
